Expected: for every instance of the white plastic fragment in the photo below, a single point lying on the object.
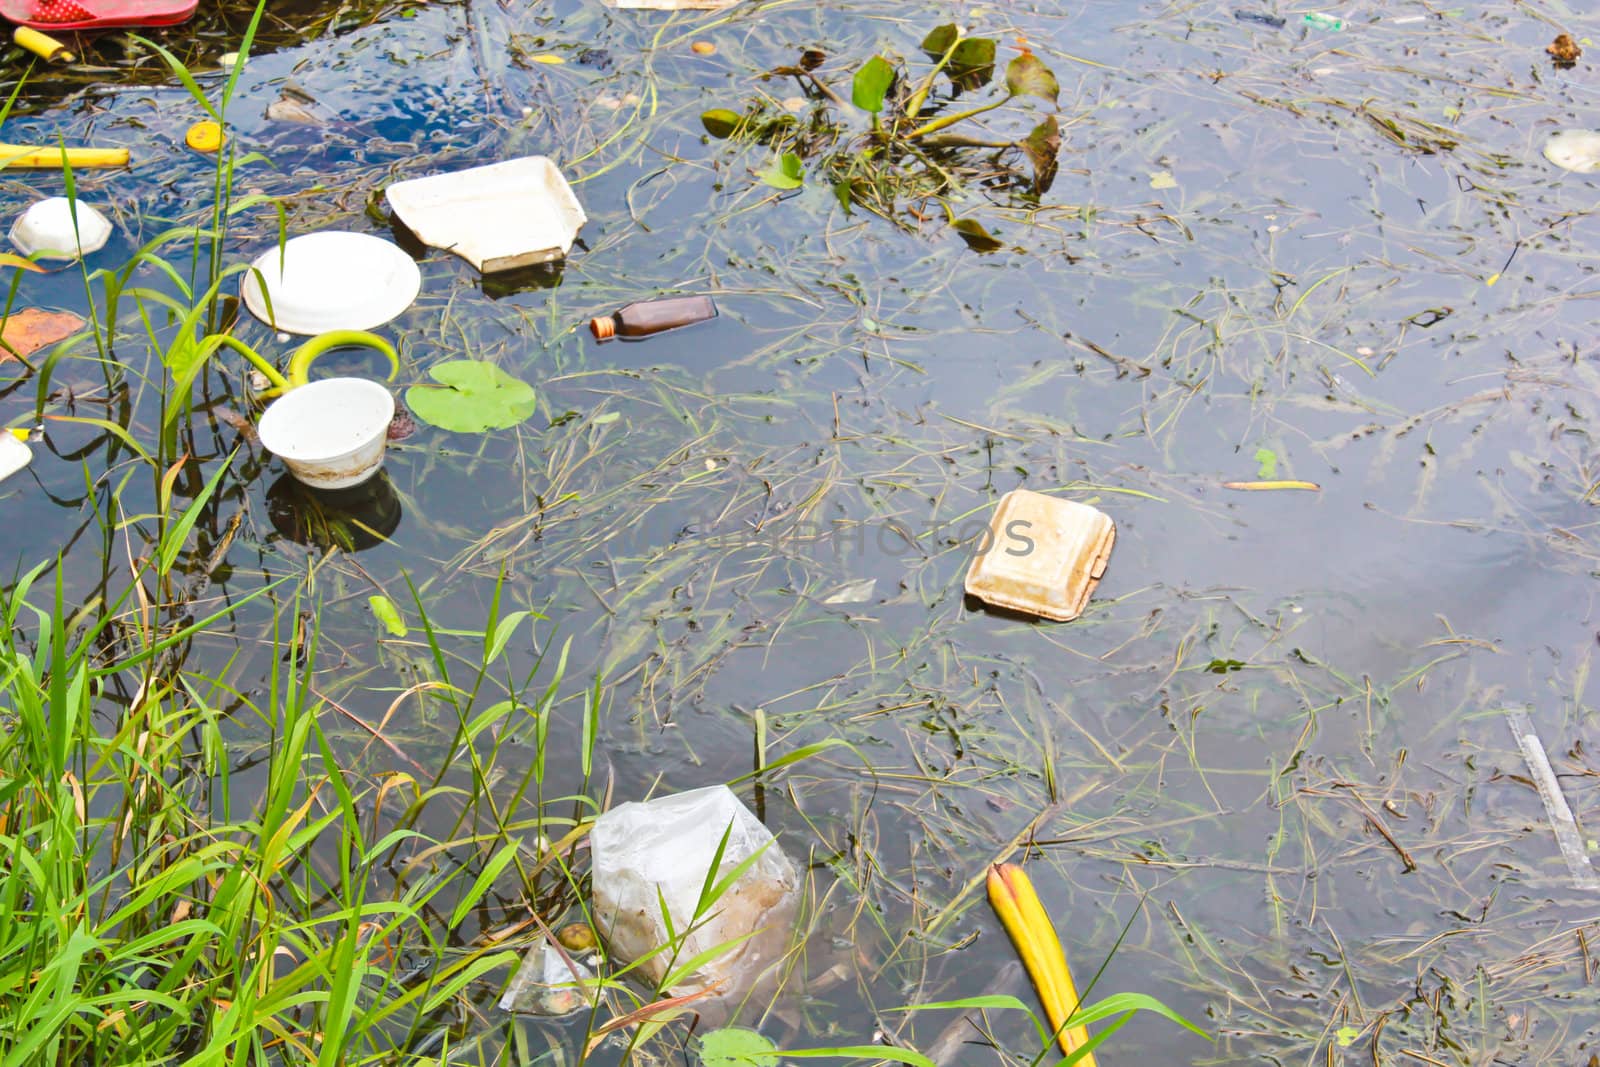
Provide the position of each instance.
(499, 217)
(1575, 150)
(14, 454)
(1556, 811)
(666, 846)
(46, 230)
(545, 985)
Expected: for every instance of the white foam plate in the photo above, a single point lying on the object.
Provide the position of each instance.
(331, 280)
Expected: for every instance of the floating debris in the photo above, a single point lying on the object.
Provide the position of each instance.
(204, 136)
(1041, 555)
(30, 329)
(14, 455)
(1269, 486)
(656, 855)
(1275, 21)
(332, 280)
(500, 217)
(1574, 150)
(1564, 50)
(59, 228)
(1556, 810)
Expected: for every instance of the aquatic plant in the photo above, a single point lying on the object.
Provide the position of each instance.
(912, 154)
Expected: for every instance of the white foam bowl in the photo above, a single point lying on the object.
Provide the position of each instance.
(330, 433)
(332, 280)
(45, 230)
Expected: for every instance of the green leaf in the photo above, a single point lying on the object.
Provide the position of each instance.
(871, 84)
(1346, 1036)
(1266, 463)
(1028, 76)
(978, 239)
(478, 396)
(972, 63)
(735, 1046)
(786, 173)
(388, 614)
(720, 122)
(1042, 146)
(939, 40)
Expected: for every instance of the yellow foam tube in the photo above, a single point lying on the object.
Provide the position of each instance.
(17, 155)
(1012, 895)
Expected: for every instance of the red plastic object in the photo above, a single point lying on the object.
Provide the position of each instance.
(96, 14)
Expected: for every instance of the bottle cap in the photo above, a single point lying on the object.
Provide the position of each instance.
(604, 327)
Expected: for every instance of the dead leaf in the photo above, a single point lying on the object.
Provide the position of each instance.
(1564, 50)
(30, 329)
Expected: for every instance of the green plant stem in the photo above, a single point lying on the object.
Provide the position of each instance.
(945, 121)
(920, 97)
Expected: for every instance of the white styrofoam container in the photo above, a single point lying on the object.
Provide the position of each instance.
(331, 432)
(499, 217)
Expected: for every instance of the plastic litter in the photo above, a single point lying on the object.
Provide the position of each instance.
(46, 230)
(545, 985)
(1324, 22)
(667, 845)
(499, 217)
(42, 45)
(1043, 555)
(14, 454)
(96, 14)
(646, 317)
(332, 280)
(1575, 150)
(330, 433)
(1275, 21)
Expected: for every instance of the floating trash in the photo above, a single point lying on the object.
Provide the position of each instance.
(499, 217)
(331, 280)
(1042, 555)
(653, 855)
(14, 454)
(204, 136)
(546, 985)
(47, 230)
(331, 433)
(1575, 150)
(646, 317)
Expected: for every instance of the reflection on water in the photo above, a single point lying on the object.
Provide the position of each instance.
(352, 519)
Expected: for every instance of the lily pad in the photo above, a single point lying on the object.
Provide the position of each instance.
(737, 1047)
(478, 396)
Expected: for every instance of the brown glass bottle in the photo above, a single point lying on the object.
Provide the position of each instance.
(646, 317)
